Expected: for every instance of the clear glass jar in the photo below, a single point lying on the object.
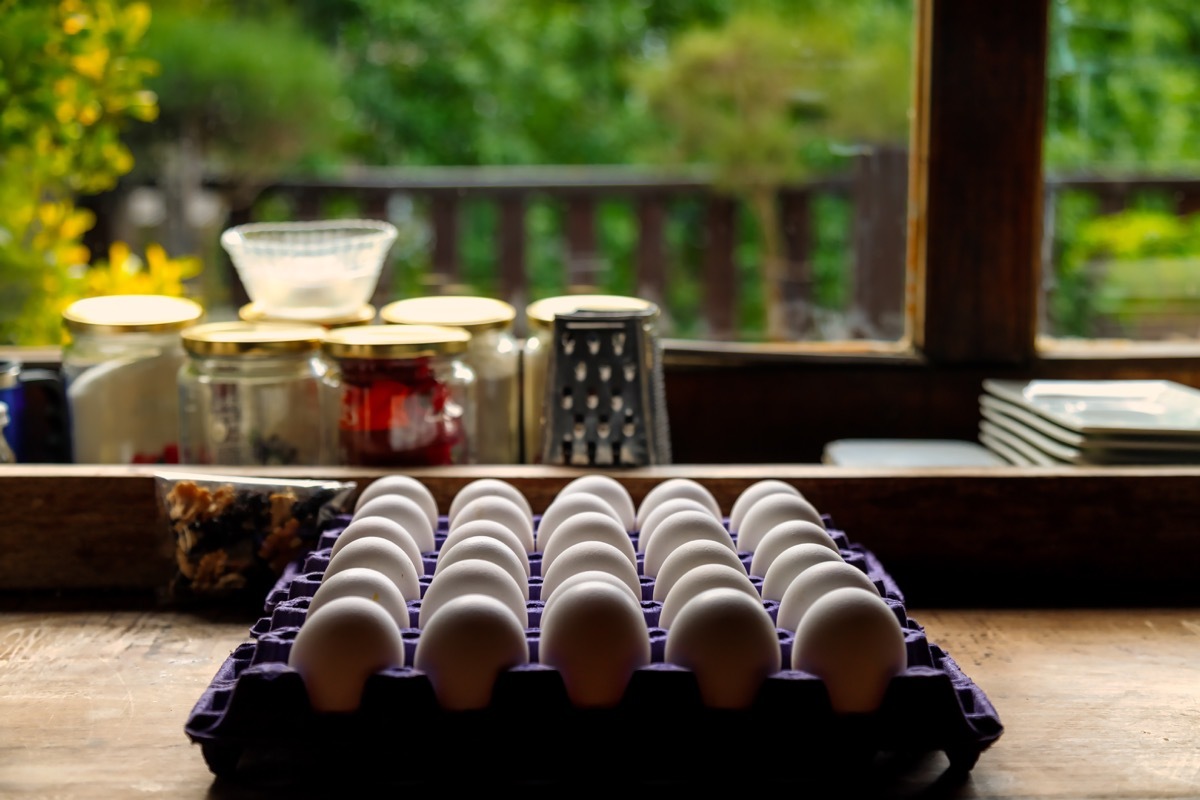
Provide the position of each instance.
(253, 312)
(536, 349)
(253, 393)
(493, 355)
(404, 393)
(120, 369)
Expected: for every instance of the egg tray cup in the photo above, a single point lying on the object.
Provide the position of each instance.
(254, 722)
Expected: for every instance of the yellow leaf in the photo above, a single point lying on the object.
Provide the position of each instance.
(91, 65)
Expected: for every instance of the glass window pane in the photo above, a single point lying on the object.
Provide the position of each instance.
(1122, 165)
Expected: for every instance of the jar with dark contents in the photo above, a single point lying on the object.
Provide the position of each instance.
(406, 397)
(252, 393)
(493, 355)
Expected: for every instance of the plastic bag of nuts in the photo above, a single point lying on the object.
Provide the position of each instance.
(233, 536)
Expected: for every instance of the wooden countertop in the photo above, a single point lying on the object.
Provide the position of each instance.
(1095, 703)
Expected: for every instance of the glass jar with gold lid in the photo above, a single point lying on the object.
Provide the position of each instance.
(119, 367)
(405, 395)
(253, 393)
(536, 349)
(493, 354)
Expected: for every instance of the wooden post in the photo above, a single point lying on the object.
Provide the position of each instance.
(795, 214)
(880, 224)
(720, 280)
(511, 250)
(444, 213)
(584, 263)
(651, 265)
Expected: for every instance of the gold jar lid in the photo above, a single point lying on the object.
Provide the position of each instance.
(475, 314)
(541, 313)
(254, 312)
(395, 341)
(251, 338)
(131, 313)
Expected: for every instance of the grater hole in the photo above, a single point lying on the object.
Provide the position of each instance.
(593, 344)
(591, 452)
(618, 343)
(630, 372)
(568, 399)
(605, 372)
(603, 429)
(618, 402)
(593, 398)
(581, 371)
(579, 430)
(568, 344)
(604, 453)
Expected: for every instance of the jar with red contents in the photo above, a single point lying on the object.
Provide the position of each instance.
(405, 396)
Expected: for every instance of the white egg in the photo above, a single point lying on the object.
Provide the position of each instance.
(851, 640)
(586, 527)
(339, 646)
(752, 494)
(488, 549)
(699, 579)
(498, 509)
(676, 487)
(608, 489)
(473, 576)
(588, 575)
(783, 536)
(664, 510)
(564, 508)
(363, 582)
(403, 485)
(361, 527)
(465, 646)
(491, 529)
(689, 555)
(768, 512)
(590, 555)
(403, 511)
(377, 553)
(680, 527)
(595, 635)
(813, 582)
(488, 487)
(790, 563)
(728, 640)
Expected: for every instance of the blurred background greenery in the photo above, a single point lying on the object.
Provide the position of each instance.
(100, 97)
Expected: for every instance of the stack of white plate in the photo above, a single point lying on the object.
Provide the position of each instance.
(1062, 422)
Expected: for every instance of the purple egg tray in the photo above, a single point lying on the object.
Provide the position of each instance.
(254, 720)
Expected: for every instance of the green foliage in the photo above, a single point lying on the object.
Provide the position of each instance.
(255, 95)
(70, 80)
(1122, 266)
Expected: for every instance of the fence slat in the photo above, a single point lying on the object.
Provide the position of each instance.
(796, 217)
(880, 228)
(444, 213)
(651, 264)
(720, 280)
(511, 250)
(583, 257)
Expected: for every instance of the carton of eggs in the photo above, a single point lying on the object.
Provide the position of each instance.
(695, 619)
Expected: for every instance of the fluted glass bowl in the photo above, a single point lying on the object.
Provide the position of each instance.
(310, 270)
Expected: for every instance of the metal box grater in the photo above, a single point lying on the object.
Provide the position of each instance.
(605, 405)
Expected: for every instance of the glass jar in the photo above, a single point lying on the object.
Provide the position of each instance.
(536, 350)
(120, 368)
(493, 355)
(252, 393)
(253, 312)
(405, 396)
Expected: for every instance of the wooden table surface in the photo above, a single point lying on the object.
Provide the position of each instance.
(1095, 703)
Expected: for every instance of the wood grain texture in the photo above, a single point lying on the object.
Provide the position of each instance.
(1094, 704)
(982, 130)
(996, 537)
